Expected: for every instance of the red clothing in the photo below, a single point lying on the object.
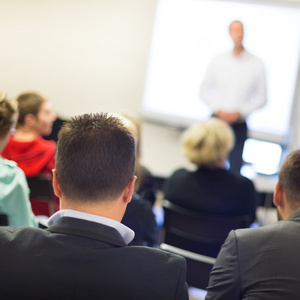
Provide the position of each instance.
(34, 158)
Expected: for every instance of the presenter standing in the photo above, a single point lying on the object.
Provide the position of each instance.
(235, 86)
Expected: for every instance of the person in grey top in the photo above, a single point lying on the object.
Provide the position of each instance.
(262, 263)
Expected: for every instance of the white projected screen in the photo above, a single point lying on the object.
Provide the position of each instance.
(189, 33)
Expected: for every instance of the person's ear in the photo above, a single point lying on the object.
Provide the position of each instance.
(278, 195)
(29, 120)
(129, 190)
(55, 184)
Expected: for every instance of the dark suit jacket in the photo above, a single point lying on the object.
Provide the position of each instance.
(78, 259)
(215, 191)
(259, 264)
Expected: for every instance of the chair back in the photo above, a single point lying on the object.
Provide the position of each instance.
(41, 190)
(199, 233)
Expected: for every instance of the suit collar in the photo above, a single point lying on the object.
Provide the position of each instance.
(88, 229)
(124, 231)
(295, 216)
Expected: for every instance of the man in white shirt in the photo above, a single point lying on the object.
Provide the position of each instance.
(84, 254)
(233, 87)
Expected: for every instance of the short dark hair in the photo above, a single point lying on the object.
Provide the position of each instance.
(289, 178)
(29, 103)
(95, 157)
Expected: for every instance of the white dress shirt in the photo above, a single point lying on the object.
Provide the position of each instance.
(235, 83)
(124, 231)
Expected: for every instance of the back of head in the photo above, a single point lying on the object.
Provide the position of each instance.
(129, 125)
(8, 113)
(29, 103)
(208, 143)
(289, 178)
(95, 158)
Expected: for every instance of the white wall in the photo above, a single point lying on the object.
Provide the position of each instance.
(88, 56)
(83, 55)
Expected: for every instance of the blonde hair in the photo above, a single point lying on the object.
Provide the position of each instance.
(208, 143)
(8, 110)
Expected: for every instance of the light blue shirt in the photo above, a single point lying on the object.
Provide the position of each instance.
(14, 195)
(124, 231)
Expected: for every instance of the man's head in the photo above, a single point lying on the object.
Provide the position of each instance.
(95, 158)
(287, 192)
(35, 113)
(236, 32)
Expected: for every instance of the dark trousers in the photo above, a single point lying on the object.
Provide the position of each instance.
(235, 158)
(236, 155)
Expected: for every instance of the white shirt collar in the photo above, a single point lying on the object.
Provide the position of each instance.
(125, 232)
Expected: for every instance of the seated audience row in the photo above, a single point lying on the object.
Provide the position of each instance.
(84, 254)
(94, 179)
(36, 157)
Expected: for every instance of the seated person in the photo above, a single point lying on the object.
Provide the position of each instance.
(262, 263)
(140, 218)
(57, 124)
(139, 215)
(84, 253)
(14, 191)
(146, 186)
(211, 188)
(34, 155)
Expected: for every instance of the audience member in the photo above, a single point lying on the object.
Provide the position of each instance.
(14, 191)
(262, 263)
(146, 186)
(34, 155)
(57, 124)
(84, 252)
(211, 188)
(139, 215)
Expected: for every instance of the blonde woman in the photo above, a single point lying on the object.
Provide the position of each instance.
(14, 191)
(211, 188)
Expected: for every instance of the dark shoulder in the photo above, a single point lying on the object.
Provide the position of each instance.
(238, 178)
(20, 235)
(138, 203)
(263, 234)
(156, 256)
(177, 177)
(180, 173)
